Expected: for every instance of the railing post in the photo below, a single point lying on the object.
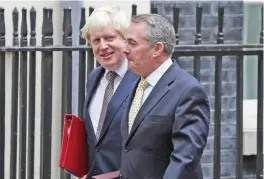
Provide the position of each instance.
(31, 97)
(218, 92)
(261, 39)
(2, 93)
(91, 9)
(14, 97)
(23, 97)
(46, 95)
(198, 36)
(176, 13)
(220, 37)
(66, 72)
(198, 40)
(153, 9)
(259, 172)
(134, 9)
(239, 117)
(90, 55)
(67, 63)
(82, 61)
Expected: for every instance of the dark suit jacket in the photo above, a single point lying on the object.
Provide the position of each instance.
(169, 132)
(105, 154)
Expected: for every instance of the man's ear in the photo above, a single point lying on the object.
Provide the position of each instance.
(158, 49)
(89, 41)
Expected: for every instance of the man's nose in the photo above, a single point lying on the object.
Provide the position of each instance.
(126, 51)
(103, 44)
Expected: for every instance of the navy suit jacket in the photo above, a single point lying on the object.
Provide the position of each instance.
(170, 130)
(105, 154)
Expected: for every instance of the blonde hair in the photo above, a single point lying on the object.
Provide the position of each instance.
(101, 17)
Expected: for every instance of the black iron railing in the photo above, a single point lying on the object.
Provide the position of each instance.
(26, 105)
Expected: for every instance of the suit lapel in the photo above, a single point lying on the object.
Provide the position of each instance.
(118, 98)
(95, 80)
(160, 89)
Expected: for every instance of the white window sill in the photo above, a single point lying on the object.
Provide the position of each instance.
(250, 127)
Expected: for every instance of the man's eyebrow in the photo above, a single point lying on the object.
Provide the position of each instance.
(129, 38)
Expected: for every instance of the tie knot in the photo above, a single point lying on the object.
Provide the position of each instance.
(110, 76)
(143, 83)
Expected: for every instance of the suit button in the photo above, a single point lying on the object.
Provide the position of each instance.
(95, 171)
(126, 149)
(97, 149)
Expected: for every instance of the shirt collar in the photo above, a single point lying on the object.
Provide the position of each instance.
(121, 70)
(154, 77)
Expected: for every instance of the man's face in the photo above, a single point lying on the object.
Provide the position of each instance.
(108, 47)
(138, 51)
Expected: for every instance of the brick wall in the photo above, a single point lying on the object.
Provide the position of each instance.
(233, 25)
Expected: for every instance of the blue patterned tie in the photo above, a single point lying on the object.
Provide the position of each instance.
(109, 91)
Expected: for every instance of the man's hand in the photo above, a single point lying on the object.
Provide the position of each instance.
(81, 178)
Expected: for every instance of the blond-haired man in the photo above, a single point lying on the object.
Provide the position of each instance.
(108, 87)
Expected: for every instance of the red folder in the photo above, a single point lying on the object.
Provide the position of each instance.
(74, 149)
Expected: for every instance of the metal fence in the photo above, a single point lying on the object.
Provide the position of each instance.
(23, 81)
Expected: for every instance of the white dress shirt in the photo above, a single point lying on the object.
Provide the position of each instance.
(155, 76)
(96, 103)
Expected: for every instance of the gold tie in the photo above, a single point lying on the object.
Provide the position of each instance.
(136, 103)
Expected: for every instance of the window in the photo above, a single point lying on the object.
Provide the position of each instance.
(251, 34)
